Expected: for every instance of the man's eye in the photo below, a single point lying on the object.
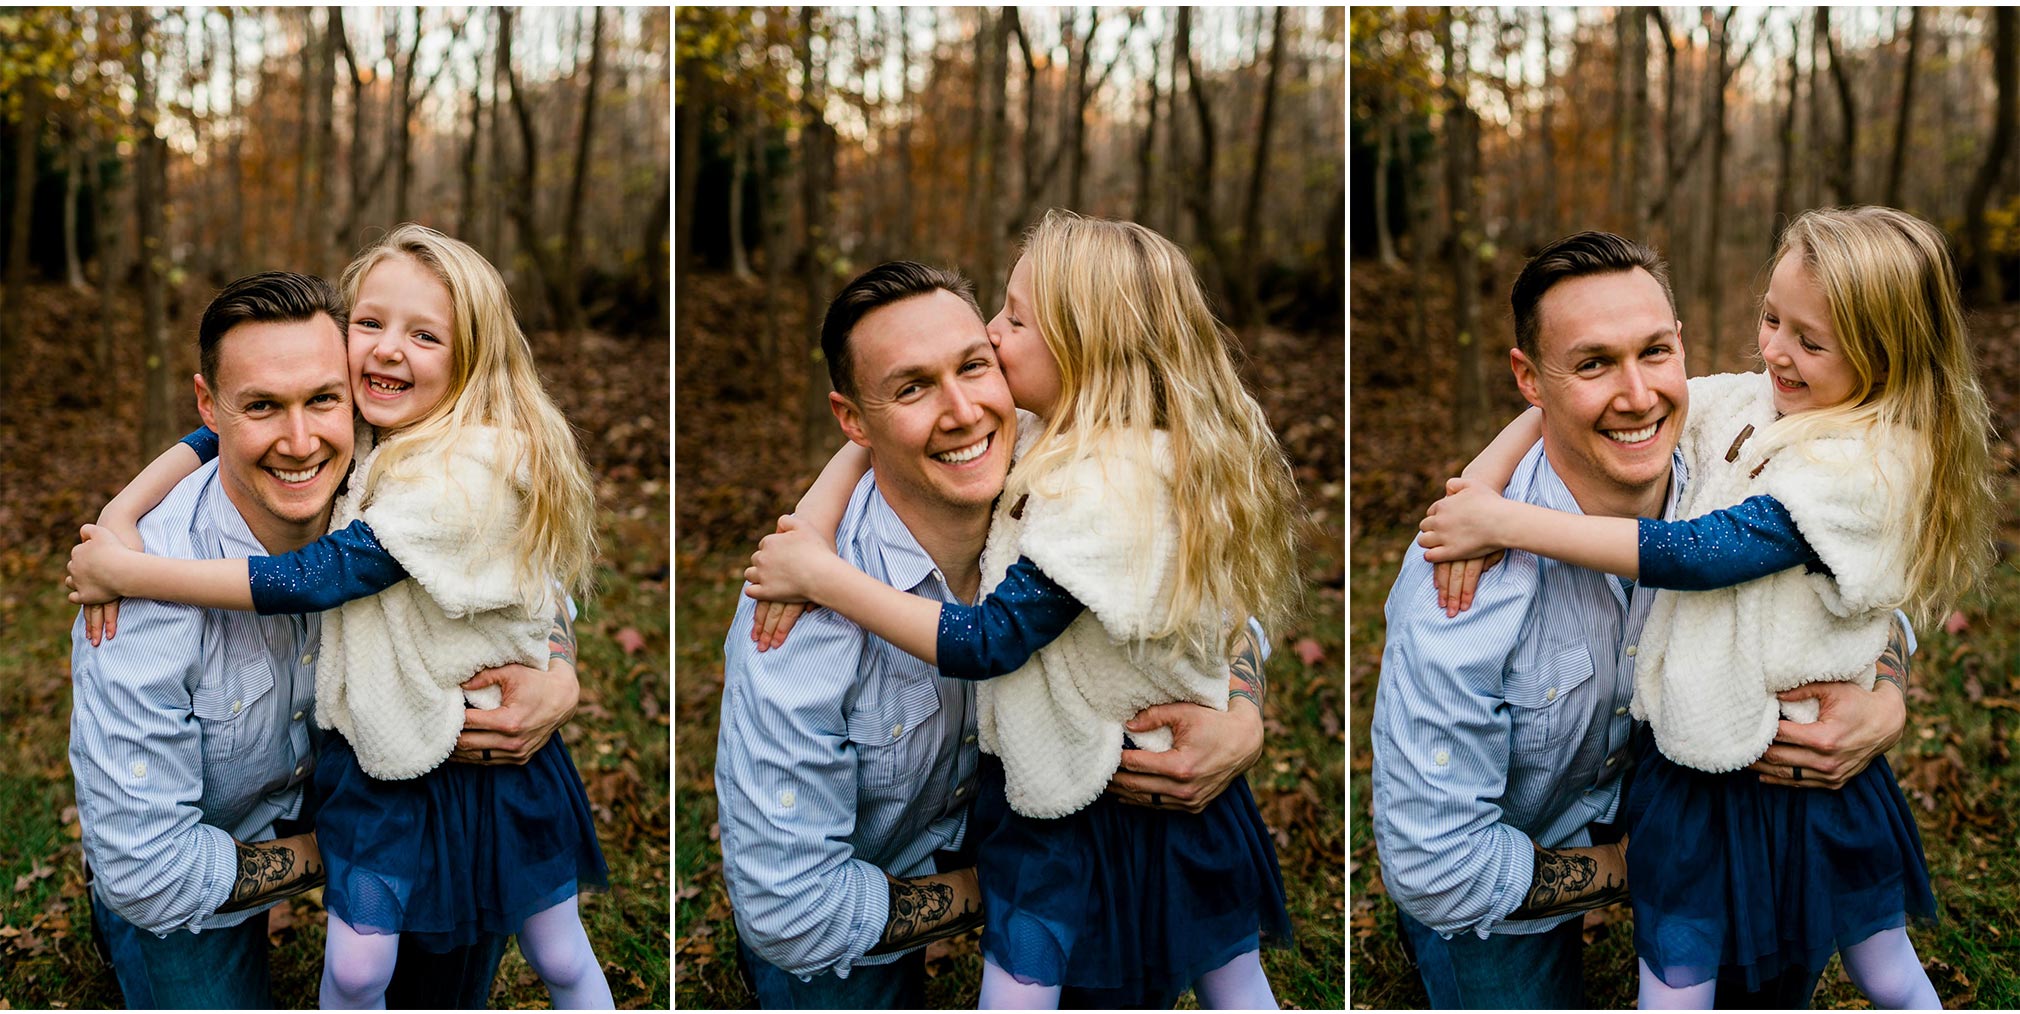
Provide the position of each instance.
(910, 389)
(259, 406)
(1589, 365)
(976, 365)
(327, 398)
(1656, 351)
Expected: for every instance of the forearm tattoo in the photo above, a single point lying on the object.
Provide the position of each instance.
(923, 911)
(271, 870)
(561, 640)
(1893, 662)
(1568, 882)
(1245, 671)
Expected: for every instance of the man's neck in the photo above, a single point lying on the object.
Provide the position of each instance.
(951, 534)
(277, 535)
(1599, 498)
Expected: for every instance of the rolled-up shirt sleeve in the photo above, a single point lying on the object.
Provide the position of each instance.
(785, 781)
(1441, 733)
(136, 752)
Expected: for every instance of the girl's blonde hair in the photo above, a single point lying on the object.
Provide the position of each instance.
(1123, 313)
(1892, 292)
(492, 382)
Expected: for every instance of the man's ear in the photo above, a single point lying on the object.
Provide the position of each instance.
(204, 406)
(850, 417)
(1679, 340)
(1525, 377)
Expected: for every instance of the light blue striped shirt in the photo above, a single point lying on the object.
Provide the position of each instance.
(839, 759)
(189, 729)
(1504, 725)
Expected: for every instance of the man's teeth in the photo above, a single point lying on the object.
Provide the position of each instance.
(1634, 436)
(968, 453)
(302, 476)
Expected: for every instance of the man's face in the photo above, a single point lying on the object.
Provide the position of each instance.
(930, 403)
(282, 411)
(1609, 377)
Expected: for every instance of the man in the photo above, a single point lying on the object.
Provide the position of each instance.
(1501, 735)
(191, 740)
(844, 767)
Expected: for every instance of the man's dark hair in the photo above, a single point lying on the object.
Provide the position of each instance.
(887, 283)
(268, 297)
(1587, 253)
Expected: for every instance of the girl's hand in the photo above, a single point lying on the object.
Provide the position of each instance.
(1465, 524)
(101, 620)
(774, 620)
(1456, 580)
(93, 565)
(789, 564)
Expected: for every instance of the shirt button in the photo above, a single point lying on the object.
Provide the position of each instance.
(1441, 758)
(140, 769)
(306, 659)
(967, 739)
(1609, 761)
(960, 789)
(237, 706)
(298, 716)
(1630, 650)
(786, 798)
(897, 730)
(1620, 711)
(298, 770)
(1551, 694)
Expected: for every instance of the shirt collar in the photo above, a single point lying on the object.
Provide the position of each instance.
(1552, 493)
(223, 518)
(907, 565)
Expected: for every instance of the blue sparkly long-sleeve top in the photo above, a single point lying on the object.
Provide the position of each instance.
(1024, 613)
(1734, 545)
(344, 565)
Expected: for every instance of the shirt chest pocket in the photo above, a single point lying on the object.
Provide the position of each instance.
(894, 746)
(224, 705)
(1548, 702)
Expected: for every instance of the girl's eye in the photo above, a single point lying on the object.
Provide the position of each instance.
(429, 338)
(1810, 346)
(1769, 319)
(367, 322)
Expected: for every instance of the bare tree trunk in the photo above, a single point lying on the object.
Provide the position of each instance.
(1785, 175)
(401, 125)
(1819, 28)
(1416, 209)
(816, 172)
(150, 188)
(1844, 174)
(466, 216)
(1199, 188)
(20, 215)
(1899, 162)
(1547, 128)
(1174, 147)
(1984, 268)
(1708, 272)
(971, 216)
(320, 253)
(989, 259)
(903, 168)
(73, 186)
(741, 142)
(695, 100)
(572, 255)
(1385, 238)
(1461, 165)
(1074, 128)
(1635, 77)
(110, 260)
(494, 191)
(1141, 209)
(307, 155)
(1252, 254)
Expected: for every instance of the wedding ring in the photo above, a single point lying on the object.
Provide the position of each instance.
(1797, 774)
(1156, 800)
(487, 758)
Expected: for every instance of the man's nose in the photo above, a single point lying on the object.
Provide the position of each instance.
(1635, 396)
(961, 410)
(299, 439)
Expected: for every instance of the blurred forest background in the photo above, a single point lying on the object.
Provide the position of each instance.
(1480, 134)
(147, 156)
(814, 143)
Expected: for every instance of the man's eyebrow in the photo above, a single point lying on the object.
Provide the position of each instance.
(904, 371)
(1596, 348)
(334, 384)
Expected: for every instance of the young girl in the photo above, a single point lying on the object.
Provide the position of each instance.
(1848, 479)
(477, 491)
(1149, 516)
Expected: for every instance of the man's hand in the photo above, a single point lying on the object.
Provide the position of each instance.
(272, 870)
(1209, 749)
(535, 704)
(1854, 726)
(1575, 880)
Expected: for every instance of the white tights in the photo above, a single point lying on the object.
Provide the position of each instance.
(357, 966)
(1883, 966)
(1238, 985)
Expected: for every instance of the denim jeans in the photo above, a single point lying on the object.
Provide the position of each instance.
(899, 985)
(1505, 971)
(218, 968)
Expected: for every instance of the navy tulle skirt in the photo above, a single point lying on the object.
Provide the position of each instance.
(1729, 874)
(1124, 902)
(462, 851)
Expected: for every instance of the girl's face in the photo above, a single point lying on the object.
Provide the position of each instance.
(1804, 358)
(399, 343)
(1027, 364)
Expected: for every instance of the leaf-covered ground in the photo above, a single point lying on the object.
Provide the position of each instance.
(738, 462)
(69, 439)
(1955, 762)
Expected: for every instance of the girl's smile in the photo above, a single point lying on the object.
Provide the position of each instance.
(399, 343)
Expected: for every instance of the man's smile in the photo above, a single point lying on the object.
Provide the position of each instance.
(1634, 436)
(963, 455)
(297, 478)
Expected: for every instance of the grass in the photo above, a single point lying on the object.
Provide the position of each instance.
(618, 737)
(1955, 763)
(1298, 785)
